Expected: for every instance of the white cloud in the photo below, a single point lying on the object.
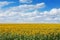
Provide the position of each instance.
(54, 11)
(4, 3)
(25, 7)
(25, 1)
(22, 13)
(35, 16)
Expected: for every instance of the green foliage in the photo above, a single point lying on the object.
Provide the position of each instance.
(9, 36)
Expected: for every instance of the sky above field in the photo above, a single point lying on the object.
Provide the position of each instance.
(40, 11)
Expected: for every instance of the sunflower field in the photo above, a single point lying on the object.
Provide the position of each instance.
(29, 31)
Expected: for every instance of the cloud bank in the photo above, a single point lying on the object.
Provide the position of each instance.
(29, 13)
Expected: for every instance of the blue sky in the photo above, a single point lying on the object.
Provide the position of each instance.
(39, 11)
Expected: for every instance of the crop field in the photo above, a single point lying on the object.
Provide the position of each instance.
(29, 31)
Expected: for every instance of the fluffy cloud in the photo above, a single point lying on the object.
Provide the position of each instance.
(25, 1)
(55, 11)
(47, 16)
(25, 7)
(21, 9)
(4, 3)
(29, 13)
